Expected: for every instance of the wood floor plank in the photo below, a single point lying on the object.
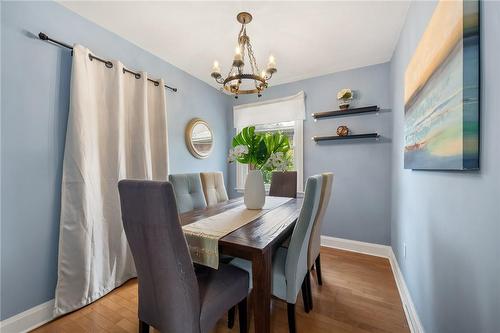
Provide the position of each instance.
(359, 295)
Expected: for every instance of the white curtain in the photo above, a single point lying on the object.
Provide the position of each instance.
(269, 112)
(117, 128)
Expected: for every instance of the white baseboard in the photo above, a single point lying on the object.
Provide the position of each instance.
(384, 251)
(29, 319)
(410, 310)
(356, 246)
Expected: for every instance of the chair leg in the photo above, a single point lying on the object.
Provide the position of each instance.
(143, 327)
(242, 313)
(230, 317)
(305, 296)
(291, 317)
(318, 270)
(309, 290)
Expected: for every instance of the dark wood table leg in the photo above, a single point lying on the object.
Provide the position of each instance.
(261, 272)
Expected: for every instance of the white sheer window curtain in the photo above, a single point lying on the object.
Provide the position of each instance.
(117, 128)
(274, 112)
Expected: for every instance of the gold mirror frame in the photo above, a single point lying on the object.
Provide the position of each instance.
(188, 135)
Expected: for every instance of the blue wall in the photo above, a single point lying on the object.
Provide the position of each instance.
(35, 96)
(360, 204)
(450, 221)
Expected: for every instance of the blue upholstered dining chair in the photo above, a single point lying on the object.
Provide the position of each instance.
(290, 265)
(315, 240)
(188, 191)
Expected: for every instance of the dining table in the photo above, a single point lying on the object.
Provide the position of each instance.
(255, 241)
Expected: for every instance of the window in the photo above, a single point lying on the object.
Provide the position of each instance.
(285, 115)
(287, 128)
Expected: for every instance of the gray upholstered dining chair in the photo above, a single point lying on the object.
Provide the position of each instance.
(173, 297)
(188, 191)
(313, 256)
(283, 184)
(213, 187)
(290, 264)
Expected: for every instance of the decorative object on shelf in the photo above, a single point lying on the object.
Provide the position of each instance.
(344, 96)
(237, 82)
(441, 93)
(199, 138)
(268, 151)
(365, 109)
(347, 137)
(342, 130)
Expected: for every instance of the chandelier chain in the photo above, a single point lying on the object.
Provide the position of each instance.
(252, 59)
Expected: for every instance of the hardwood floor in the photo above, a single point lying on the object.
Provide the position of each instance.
(359, 294)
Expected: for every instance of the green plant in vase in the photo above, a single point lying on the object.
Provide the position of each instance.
(262, 152)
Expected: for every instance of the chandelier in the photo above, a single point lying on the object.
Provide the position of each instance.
(237, 81)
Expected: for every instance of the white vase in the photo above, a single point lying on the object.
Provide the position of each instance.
(255, 193)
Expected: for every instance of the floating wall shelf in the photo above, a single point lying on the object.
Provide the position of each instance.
(347, 137)
(348, 112)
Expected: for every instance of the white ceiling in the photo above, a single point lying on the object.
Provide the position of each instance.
(307, 38)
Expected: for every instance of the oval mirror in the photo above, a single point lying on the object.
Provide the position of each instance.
(199, 138)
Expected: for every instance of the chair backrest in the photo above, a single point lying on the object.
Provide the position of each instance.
(188, 191)
(296, 258)
(168, 289)
(315, 240)
(213, 187)
(283, 184)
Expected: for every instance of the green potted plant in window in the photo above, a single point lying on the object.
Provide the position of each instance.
(262, 152)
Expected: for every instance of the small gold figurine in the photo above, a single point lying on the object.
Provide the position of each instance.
(342, 130)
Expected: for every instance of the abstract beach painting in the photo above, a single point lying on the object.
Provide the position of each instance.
(442, 91)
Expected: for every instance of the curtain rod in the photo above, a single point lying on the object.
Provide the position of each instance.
(108, 63)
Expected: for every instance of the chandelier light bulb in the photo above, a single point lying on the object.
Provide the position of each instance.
(237, 55)
(272, 62)
(216, 67)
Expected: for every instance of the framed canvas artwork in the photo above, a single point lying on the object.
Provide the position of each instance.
(441, 93)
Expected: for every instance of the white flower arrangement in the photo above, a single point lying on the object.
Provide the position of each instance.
(237, 152)
(277, 161)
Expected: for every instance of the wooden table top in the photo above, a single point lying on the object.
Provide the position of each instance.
(267, 230)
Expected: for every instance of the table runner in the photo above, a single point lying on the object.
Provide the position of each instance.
(203, 236)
